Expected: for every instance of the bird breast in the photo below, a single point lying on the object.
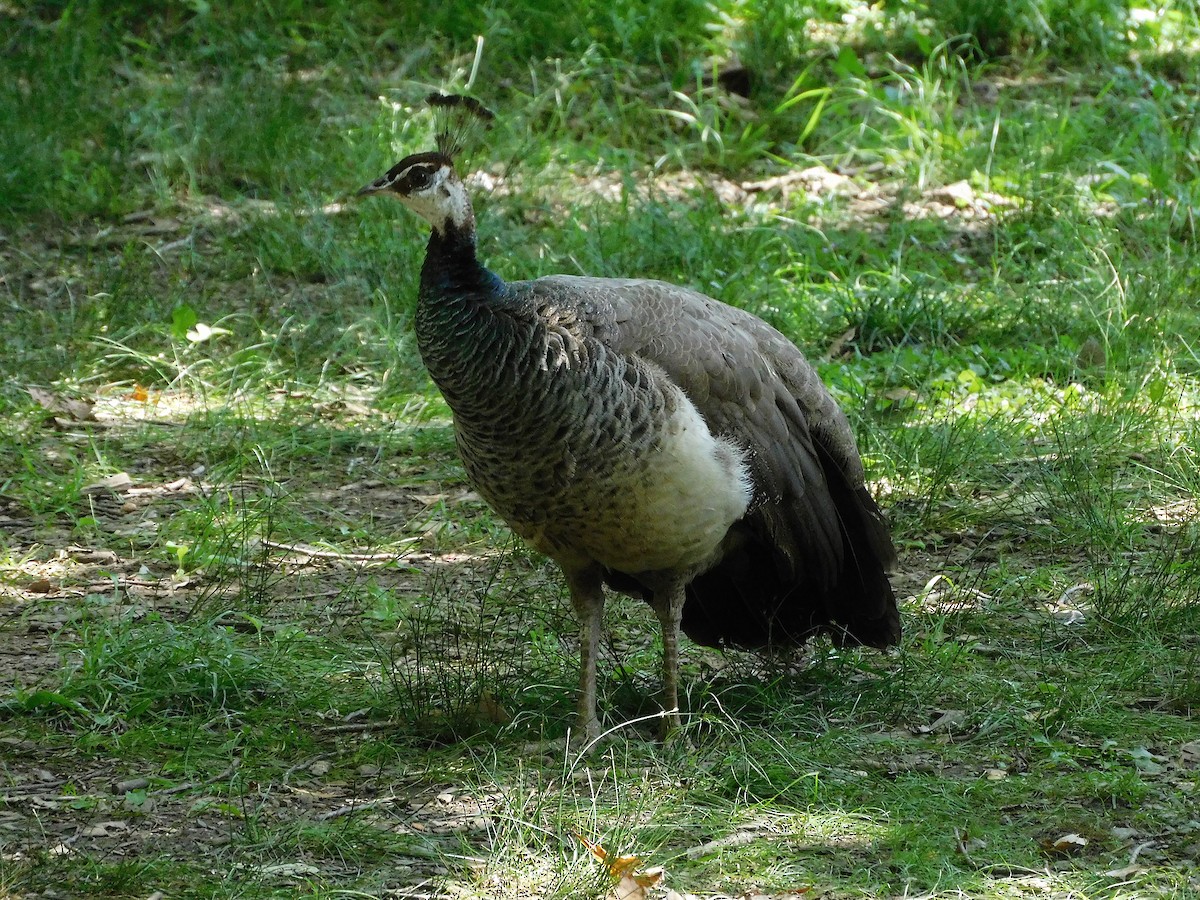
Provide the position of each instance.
(602, 459)
(670, 508)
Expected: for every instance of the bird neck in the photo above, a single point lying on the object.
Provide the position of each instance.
(470, 327)
(451, 267)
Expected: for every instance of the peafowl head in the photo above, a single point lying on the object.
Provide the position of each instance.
(426, 182)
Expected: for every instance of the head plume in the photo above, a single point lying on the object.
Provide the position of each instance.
(459, 122)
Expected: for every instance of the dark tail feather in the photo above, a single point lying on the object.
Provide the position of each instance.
(864, 609)
(744, 601)
(752, 600)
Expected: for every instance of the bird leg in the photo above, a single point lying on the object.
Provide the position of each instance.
(587, 597)
(668, 606)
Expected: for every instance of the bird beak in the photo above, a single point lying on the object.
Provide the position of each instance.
(379, 184)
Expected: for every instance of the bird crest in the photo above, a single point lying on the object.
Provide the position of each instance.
(459, 122)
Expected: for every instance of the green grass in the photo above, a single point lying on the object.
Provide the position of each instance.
(294, 655)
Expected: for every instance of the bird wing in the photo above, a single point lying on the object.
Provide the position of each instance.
(751, 385)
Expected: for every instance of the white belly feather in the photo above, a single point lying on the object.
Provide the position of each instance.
(676, 503)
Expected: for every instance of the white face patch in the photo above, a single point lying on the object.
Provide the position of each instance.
(442, 201)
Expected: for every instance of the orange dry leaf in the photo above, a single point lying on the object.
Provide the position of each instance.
(649, 878)
(617, 865)
(140, 394)
(631, 885)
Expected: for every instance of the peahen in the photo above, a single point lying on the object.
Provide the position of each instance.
(649, 438)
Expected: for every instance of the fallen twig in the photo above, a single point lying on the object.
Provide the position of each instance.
(187, 786)
(314, 553)
(730, 840)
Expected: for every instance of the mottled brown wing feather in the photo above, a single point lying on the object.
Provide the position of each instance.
(814, 550)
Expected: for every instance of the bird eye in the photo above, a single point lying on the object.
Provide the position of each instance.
(418, 178)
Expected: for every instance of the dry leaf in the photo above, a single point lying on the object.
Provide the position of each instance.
(839, 343)
(201, 332)
(1124, 873)
(960, 194)
(948, 720)
(104, 829)
(1065, 845)
(1146, 762)
(616, 865)
(901, 396)
(79, 410)
(43, 398)
(491, 710)
(629, 888)
(650, 877)
(139, 394)
(118, 482)
(1190, 753)
(73, 410)
(631, 885)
